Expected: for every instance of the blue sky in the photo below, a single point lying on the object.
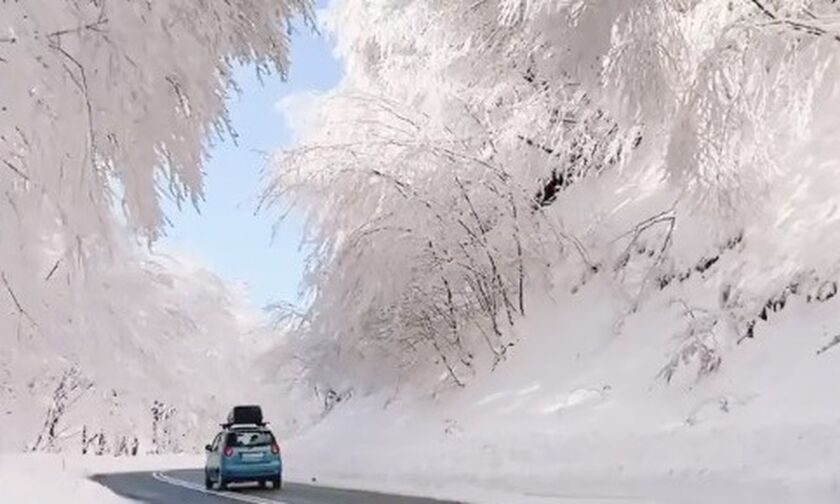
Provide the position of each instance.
(226, 236)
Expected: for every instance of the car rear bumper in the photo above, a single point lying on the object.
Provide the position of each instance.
(247, 472)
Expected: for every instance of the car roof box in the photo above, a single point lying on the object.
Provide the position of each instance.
(248, 414)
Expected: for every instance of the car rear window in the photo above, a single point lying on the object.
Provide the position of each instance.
(247, 439)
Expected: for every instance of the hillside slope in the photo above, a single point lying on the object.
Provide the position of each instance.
(574, 248)
(578, 411)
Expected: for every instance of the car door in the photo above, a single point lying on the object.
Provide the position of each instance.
(213, 455)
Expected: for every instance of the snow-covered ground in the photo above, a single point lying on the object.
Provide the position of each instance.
(578, 411)
(679, 160)
(675, 274)
(42, 479)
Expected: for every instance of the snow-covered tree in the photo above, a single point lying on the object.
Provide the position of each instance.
(114, 103)
(479, 152)
(146, 327)
(106, 108)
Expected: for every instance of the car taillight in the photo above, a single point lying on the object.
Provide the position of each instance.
(275, 449)
(228, 451)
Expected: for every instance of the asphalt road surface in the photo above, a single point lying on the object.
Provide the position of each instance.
(187, 487)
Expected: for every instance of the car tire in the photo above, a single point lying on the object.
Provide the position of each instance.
(208, 483)
(277, 482)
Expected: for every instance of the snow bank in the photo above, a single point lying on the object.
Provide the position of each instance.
(578, 412)
(43, 479)
(661, 176)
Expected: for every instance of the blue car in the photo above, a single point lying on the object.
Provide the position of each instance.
(243, 453)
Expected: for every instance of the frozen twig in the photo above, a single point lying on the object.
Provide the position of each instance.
(831, 344)
(15, 300)
(810, 29)
(52, 270)
(16, 170)
(95, 26)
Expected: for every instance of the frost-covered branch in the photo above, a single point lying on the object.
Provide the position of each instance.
(479, 156)
(795, 24)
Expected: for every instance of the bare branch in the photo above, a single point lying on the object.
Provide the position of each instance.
(15, 300)
(831, 344)
(17, 170)
(816, 31)
(52, 270)
(95, 26)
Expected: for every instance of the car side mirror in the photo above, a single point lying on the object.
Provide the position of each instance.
(208, 448)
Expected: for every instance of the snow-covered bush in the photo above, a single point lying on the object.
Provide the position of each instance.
(480, 153)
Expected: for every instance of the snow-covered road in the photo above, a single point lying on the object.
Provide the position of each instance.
(186, 486)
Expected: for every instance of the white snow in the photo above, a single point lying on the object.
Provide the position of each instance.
(651, 331)
(106, 108)
(150, 328)
(46, 479)
(573, 250)
(578, 414)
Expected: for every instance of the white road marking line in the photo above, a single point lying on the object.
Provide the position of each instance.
(252, 499)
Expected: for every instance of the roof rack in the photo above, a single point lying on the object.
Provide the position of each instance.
(227, 425)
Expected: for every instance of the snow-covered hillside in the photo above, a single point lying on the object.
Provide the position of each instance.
(578, 411)
(574, 248)
(475, 161)
(558, 249)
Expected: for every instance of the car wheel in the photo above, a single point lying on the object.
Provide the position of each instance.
(208, 483)
(277, 482)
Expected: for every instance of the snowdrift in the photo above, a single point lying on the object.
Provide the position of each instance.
(578, 413)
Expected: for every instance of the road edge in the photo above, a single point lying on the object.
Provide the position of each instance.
(251, 499)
